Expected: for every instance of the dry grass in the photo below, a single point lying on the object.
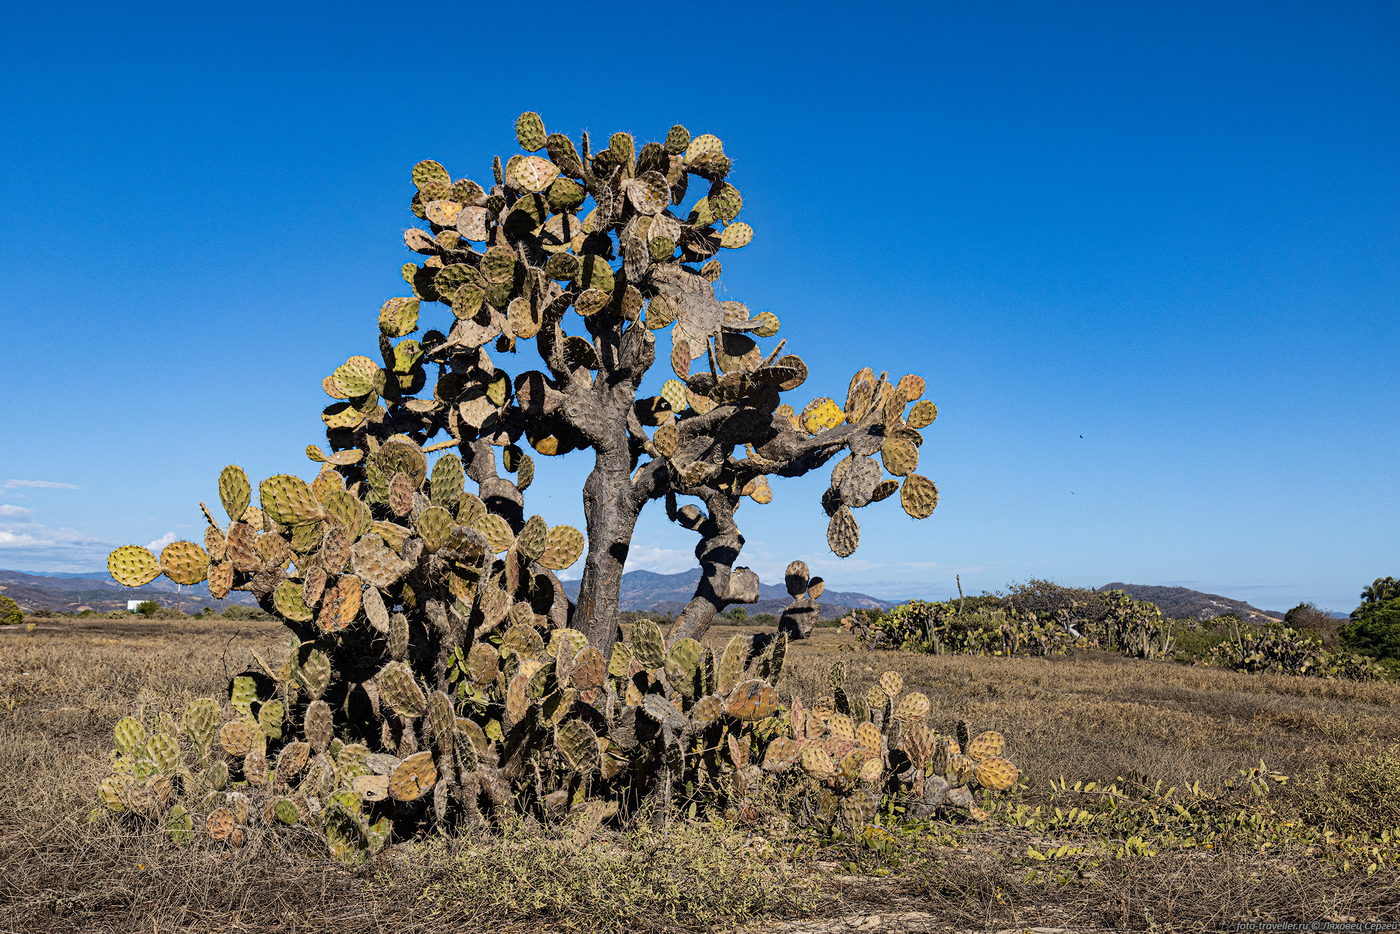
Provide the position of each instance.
(1093, 717)
(1100, 715)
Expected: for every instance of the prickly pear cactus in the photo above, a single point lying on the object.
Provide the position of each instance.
(861, 753)
(437, 668)
(1282, 650)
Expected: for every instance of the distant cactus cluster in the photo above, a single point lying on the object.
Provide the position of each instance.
(993, 626)
(437, 670)
(1134, 627)
(950, 629)
(1281, 650)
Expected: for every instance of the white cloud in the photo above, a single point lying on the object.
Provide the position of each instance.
(660, 560)
(645, 558)
(35, 536)
(161, 542)
(40, 484)
(30, 545)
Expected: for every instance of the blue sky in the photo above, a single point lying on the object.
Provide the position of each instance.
(1146, 255)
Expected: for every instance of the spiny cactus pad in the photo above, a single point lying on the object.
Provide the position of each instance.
(133, 566)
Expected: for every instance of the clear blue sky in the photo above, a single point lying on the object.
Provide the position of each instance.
(1172, 229)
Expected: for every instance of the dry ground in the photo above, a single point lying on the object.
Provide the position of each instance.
(1094, 717)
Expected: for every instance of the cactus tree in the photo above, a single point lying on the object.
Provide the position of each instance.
(592, 256)
(434, 646)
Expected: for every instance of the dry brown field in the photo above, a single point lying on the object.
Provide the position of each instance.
(1089, 718)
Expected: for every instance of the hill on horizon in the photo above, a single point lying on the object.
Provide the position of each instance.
(95, 590)
(651, 592)
(1185, 603)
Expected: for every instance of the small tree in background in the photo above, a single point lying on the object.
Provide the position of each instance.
(10, 613)
(147, 608)
(1311, 618)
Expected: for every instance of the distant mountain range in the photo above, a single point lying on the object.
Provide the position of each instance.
(95, 590)
(642, 592)
(1184, 603)
(650, 592)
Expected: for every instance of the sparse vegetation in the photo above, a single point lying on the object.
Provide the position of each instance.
(688, 877)
(1043, 619)
(1131, 865)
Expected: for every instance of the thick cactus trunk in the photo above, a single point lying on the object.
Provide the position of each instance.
(611, 516)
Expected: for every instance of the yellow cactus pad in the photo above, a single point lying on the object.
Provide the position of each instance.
(996, 774)
(133, 566)
(412, 777)
(184, 562)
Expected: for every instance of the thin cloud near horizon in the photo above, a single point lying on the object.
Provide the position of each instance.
(40, 485)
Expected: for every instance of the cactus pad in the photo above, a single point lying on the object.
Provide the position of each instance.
(648, 645)
(996, 773)
(289, 500)
(918, 496)
(578, 745)
(986, 745)
(529, 132)
(752, 700)
(563, 548)
(184, 562)
(590, 669)
(133, 566)
(843, 533)
(821, 414)
(922, 414)
(200, 722)
(234, 491)
(412, 777)
(400, 690)
(236, 737)
(912, 707)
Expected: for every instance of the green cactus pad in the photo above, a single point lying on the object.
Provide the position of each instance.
(429, 173)
(918, 496)
(399, 689)
(523, 641)
(731, 662)
(533, 538)
(288, 599)
(647, 643)
(200, 721)
(578, 746)
(677, 140)
(736, 236)
(529, 131)
(434, 526)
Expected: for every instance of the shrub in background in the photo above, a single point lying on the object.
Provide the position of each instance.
(1374, 627)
